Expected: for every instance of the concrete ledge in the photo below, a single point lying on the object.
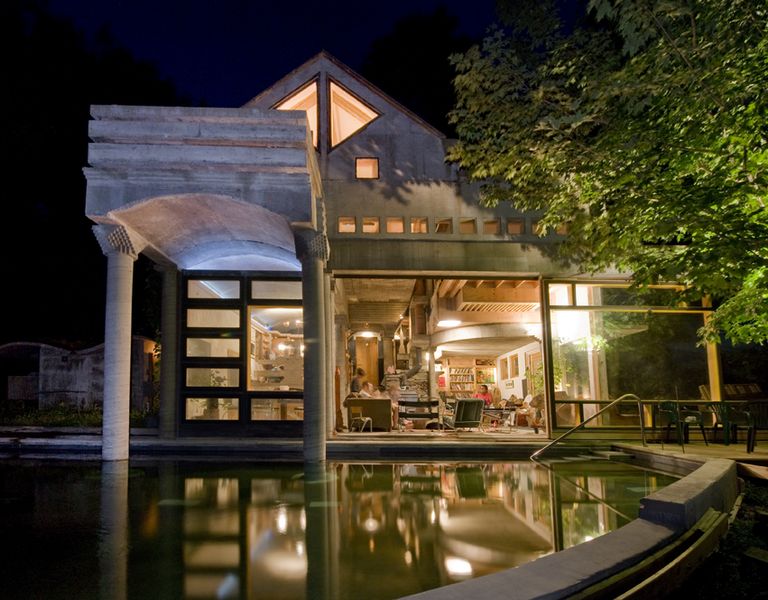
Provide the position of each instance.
(681, 504)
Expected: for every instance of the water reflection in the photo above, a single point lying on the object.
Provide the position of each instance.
(113, 531)
(346, 531)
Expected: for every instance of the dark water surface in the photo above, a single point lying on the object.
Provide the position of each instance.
(191, 529)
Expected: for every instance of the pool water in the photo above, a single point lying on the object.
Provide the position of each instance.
(184, 529)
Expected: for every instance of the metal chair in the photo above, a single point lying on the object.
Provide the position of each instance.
(467, 414)
(358, 421)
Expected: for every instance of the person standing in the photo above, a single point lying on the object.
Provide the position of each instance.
(357, 381)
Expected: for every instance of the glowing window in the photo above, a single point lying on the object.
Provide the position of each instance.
(212, 317)
(213, 347)
(367, 168)
(213, 289)
(419, 225)
(347, 225)
(304, 99)
(515, 226)
(560, 294)
(491, 227)
(444, 225)
(504, 368)
(467, 226)
(212, 377)
(370, 224)
(212, 409)
(395, 225)
(348, 114)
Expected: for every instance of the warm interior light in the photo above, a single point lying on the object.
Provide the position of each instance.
(367, 334)
(458, 567)
(448, 323)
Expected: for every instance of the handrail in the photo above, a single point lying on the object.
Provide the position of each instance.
(585, 421)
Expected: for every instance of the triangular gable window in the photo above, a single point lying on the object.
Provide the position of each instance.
(348, 114)
(304, 99)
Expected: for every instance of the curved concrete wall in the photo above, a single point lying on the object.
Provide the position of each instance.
(664, 515)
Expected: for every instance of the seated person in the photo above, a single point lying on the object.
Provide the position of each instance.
(393, 391)
(485, 395)
(366, 390)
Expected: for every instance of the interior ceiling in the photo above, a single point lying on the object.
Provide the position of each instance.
(380, 302)
(377, 301)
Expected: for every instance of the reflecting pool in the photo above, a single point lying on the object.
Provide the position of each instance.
(184, 529)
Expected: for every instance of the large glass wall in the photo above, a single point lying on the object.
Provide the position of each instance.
(608, 341)
(242, 350)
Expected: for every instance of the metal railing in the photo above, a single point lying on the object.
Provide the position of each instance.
(618, 400)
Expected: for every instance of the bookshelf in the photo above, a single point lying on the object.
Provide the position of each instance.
(465, 374)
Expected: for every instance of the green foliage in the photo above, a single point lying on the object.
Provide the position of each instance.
(62, 415)
(643, 129)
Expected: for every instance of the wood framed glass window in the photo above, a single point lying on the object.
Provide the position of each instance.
(491, 227)
(515, 226)
(371, 225)
(395, 225)
(467, 225)
(347, 225)
(419, 225)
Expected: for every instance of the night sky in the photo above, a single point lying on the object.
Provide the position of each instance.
(70, 54)
(224, 52)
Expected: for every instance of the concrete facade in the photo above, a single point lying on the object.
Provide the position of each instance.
(353, 186)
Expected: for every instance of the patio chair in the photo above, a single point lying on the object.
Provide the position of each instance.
(681, 417)
(467, 414)
(734, 416)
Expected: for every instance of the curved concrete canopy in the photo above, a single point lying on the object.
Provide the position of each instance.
(203, 231)
(486, 339)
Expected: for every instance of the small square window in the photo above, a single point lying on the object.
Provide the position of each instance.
(395, 225)
(467, 226)
(562, 229)
(367, 168)
(347, 225)
(491, 227)
(444, 225)
(371, 225)
(515, 226)
(419, 225)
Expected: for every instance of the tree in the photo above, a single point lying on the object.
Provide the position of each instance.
(642, 128)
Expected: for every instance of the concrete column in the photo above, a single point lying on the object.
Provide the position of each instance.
(329, 363)
(312, 251)
(121, 248)
(340, 349)
(169, 354)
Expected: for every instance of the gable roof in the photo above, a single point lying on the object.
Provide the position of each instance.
(320, 62)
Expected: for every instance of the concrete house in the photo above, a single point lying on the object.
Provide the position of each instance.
(318, 229)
